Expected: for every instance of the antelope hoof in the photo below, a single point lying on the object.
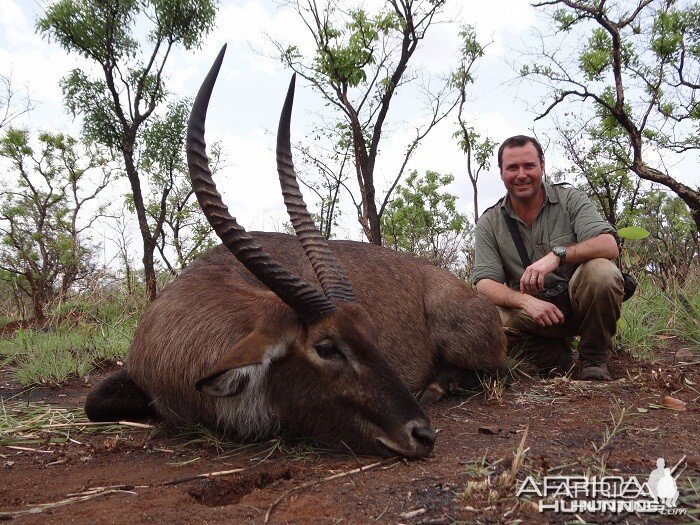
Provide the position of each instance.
(432, 393)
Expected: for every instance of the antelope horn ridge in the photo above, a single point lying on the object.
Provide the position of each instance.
(308, 303)
(328, 270)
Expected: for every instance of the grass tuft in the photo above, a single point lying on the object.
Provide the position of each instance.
(197, 435)
(653, 316)
(645, 320)
(88, 329)
(51, 357)
(27, 424)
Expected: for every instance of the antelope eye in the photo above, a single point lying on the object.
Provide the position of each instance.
(327, 350)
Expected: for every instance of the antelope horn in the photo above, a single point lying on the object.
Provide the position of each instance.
(328, 270)
(305, 300)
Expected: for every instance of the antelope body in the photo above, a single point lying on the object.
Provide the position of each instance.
(243, 341)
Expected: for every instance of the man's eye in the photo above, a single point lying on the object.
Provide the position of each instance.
(327, 351)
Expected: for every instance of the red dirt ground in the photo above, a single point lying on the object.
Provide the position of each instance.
(566, 420)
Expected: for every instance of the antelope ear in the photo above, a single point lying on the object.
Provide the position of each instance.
(250, 357)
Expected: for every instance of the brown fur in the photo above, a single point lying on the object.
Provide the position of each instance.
(425, 318)
(411, 319)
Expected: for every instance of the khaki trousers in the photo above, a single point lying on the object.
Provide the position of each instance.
(596, 293)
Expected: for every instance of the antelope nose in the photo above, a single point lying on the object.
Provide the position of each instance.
(425, 435)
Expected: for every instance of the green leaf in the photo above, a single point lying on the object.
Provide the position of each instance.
(633, 233)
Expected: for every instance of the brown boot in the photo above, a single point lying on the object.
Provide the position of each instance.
(594, 371)
(564, 363)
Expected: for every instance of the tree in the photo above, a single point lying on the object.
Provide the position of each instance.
(424, 221)
(670, 246)
(671, 250)
(171, 208)
(116, 106)
(121, 238)
(45, 249)
(323, 172)
(478, 151)
(637, 64)
(10, 107)
(604, 177)
(361, 59)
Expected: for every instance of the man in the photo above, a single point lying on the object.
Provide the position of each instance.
(568, 240)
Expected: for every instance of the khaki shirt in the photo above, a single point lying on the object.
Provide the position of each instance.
(567, 216)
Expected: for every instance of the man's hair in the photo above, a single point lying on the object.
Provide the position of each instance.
(518, 141)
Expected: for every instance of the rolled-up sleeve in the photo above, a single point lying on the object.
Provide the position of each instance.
(585, 219)
(487, 259)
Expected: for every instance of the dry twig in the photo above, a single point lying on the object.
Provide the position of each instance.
(94, 492)
(36, 509)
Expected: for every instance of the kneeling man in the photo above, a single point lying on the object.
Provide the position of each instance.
(562, 281)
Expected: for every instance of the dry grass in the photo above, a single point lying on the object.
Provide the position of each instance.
(29, 424)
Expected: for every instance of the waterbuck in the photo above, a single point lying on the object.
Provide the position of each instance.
(328, 340)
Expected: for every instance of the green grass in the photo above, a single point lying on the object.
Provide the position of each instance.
(645, 322)
(652, 316)
(53, 356)
(687, 319)
(80, 333)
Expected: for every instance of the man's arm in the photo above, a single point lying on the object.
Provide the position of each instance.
(543, 312)
(603, 246)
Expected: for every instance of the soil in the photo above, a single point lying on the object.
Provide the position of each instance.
(464, 479)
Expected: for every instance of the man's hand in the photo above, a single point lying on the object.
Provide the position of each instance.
(543, 312)
(532, 280)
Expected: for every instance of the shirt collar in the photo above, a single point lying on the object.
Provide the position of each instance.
(550, 193)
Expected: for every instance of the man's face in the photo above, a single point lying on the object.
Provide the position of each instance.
(521, 172)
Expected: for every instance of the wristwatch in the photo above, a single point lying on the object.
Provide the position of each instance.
(560, 251)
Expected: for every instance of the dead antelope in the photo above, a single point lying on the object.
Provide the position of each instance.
(247, 341)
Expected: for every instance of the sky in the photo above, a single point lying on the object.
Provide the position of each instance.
(249, 93)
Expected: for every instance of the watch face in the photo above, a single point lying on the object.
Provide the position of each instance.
(559, 251)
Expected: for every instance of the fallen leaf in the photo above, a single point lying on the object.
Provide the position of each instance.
(642, 410)
(492, 430)
(672, 403)
(685, 353)
(111, 443)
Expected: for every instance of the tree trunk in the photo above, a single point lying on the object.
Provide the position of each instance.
(373, 218)
(38, 307)
(40, 299)
(147, 237)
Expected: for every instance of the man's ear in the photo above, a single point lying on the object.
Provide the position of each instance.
(233, 372)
